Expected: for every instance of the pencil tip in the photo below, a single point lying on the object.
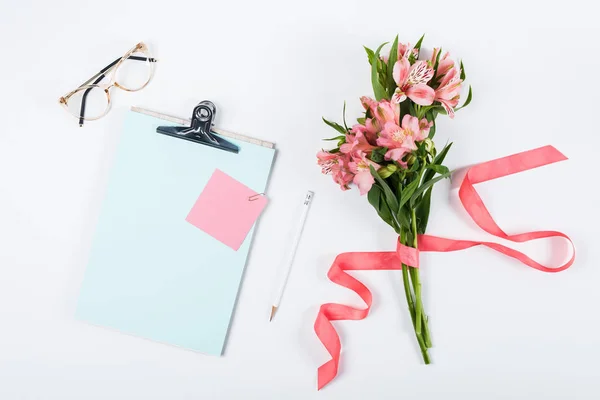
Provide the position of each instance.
(273, 309)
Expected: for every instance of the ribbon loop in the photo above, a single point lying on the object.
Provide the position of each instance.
(475, 207)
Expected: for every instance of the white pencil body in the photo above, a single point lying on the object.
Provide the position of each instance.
(286, 267)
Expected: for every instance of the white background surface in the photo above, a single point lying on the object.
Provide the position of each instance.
(500, 330)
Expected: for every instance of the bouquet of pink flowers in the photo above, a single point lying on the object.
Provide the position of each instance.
(390, 154)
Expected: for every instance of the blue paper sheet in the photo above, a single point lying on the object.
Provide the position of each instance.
(151, 273)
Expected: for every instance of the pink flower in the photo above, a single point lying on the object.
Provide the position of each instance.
(434, 55)
(327, 161)
(359, 166)
(368, 102)
(446, 63)
(448, 93)
(382, 112)
(343, 177)
(356, 142)
(366, 130)
(424, 127)
(336, 164)
(401, 139)
(385, 111)
(405, 50)
(412, 82)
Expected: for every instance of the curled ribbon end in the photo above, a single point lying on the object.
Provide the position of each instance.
(557, 156)
(326, 373)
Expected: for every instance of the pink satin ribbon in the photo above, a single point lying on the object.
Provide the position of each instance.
(392, 260)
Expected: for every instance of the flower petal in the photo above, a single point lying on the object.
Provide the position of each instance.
(400, 72)
(395, 154)
(448, 108)
(444, 66)
(421, 94)
(385, 141)
(419, 73)
(410, 124)
(409, 143)
(398, 97)
(364, 180)
(346, 148)
(367, 102)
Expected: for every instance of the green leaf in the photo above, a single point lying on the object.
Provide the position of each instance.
(437, 60)
(404, 217)
(344, 116)
(337, 138)
(432, 129)
(463, 74)
(336, 126)
(426, 185)
(377, 155)
(468, 101)
(434, 107)
(390, 199)
(378, 89)
(399, 186)
(361, 121)
(422, 211)
(375, 199)
(391, 84)
(370, 54)
(412, 57)
(415, 166)
(373, 196)
(419, 42)
(438, 160)
(430, 172)
(385, 213)
(408, 191)
(440, 169)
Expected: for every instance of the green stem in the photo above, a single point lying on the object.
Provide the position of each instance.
(411, 305)
(426, 334)
(421, 325)
(407, 291)
(416, 280)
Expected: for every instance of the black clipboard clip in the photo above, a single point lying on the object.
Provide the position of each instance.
(200, 130)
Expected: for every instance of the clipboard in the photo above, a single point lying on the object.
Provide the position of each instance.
(150, 273)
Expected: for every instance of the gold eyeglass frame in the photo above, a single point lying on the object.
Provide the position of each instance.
(111, 68)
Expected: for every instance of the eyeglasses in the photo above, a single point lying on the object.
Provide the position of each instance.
(91, 100)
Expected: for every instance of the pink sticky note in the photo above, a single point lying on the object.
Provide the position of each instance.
(226, 209)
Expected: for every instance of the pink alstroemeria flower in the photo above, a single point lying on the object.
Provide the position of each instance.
(381, 112)
(367, 102)
(424, 127)
(448, 93)
(367, 130)
(335, 164)
(405, 50)
(359, 166)
(356, 142)
(401, 139)
(445, 64)
(412, 82)
(386, 111)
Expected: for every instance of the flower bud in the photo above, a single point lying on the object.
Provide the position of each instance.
(429, 145)
(387, 171)
(411, 159)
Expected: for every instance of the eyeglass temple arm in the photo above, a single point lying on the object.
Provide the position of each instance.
(101, 75)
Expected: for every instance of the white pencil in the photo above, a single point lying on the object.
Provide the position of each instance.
(289, 261)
